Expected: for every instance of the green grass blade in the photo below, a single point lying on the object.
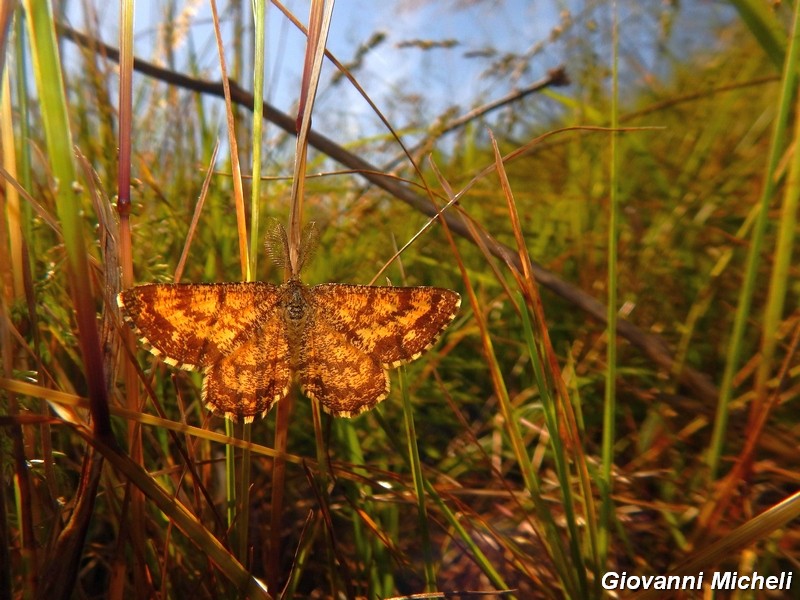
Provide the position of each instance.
(606, 480)
(754, 258)
(762, 23)
(259, 18)
(572, 572)
(419, 482)
(476, 553)
(779, 279)
(370, 548)
(454, 520)
(55, 120)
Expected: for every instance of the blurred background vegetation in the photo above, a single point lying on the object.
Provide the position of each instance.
(535, 476)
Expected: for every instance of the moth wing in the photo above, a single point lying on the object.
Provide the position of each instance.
(195, 325)
(394, 324)
(253, 377)
(342, 377)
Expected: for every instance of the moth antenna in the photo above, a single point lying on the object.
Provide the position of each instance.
(277, 244)
(308, 244)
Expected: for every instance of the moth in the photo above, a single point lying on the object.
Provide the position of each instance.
(252, 340)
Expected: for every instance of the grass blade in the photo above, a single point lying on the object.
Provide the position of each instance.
(762, 23)
(419, 482)
(733, 358)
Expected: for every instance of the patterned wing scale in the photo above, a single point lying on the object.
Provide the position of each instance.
(341, 376)
(356, 332)
(249, 380)
(394, 324)
(194, 325)
(252, 339)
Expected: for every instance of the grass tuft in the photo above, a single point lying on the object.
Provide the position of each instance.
(618, 391)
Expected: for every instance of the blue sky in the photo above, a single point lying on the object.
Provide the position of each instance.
(411, 85)
(441, 76)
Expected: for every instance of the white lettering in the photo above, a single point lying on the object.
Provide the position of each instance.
(688, 582)
(610, 580)
(722, 581)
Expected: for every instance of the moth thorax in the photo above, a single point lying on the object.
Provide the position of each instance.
(296, 305)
